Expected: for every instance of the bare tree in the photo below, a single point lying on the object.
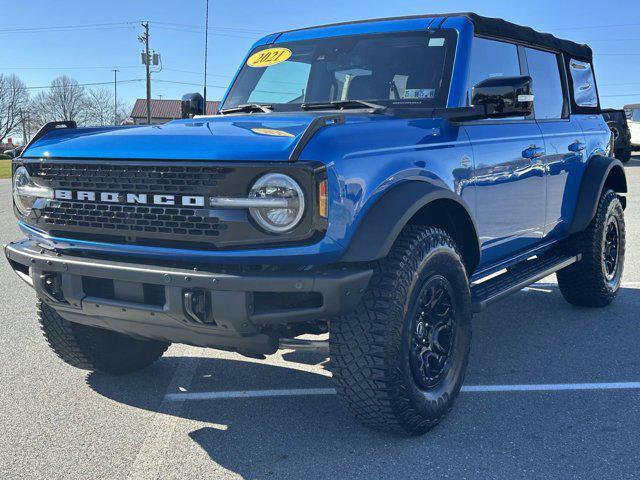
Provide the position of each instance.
(67, 100)
(100, 108)
(64, 100)
(13, 99)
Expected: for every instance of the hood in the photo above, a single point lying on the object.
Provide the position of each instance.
(232, 137)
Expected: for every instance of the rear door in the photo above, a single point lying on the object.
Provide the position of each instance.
(564, 140)
(509, 170)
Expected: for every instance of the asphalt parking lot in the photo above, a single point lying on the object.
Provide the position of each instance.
(58, 422)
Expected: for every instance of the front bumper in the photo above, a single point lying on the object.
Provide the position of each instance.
(150, 301)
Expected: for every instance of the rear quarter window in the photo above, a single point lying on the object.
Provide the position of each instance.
(584, 85)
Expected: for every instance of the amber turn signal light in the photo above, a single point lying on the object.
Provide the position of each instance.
(323, 199)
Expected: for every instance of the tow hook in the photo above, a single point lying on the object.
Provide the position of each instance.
(51, 284)
(197, 305)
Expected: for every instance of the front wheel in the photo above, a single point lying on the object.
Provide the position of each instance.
(399, 359)
(595, 280)
(96, 349)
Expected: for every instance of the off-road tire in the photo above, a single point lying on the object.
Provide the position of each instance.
(96, 349)
(370, 347)
(624, 156)
(619, 141)
(585, 283)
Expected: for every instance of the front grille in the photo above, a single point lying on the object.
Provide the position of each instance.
(134, 178)
(133, 219)
(161, 225)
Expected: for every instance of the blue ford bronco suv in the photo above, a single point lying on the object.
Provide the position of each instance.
(378, 180)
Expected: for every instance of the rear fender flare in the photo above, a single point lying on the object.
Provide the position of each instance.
(600, 171)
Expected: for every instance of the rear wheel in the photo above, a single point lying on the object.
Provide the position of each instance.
(96, 349)
(399, 359)
(595, 280)
(622, 154)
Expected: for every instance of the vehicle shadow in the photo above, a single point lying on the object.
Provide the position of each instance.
(531, 337)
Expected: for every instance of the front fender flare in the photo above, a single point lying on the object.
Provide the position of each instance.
(600, 168)
(386, 218)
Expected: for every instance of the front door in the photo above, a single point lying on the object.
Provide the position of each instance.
(510, 186)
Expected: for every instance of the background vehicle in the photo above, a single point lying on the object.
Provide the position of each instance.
(617, 121)
(380, 180)
(633, 118)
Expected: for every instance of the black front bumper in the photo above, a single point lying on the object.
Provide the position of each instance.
(150, 301)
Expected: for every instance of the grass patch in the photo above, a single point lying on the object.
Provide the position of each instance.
(5, 168)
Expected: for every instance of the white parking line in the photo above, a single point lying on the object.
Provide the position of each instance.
(149, 460)
(291, 392)
(297, 392)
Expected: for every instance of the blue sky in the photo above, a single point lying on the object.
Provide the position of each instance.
(89, 54)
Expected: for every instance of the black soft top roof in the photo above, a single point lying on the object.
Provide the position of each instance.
(497, 27)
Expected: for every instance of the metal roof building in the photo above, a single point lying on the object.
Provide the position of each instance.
(162, 111)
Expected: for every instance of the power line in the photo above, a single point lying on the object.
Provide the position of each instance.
(67, 27)
(197, 73)
(618, 84)
(86, 84)
(67, 68)
(596, 26)
(622, 95)
(187, 83)
(210, 33)
(200, 28)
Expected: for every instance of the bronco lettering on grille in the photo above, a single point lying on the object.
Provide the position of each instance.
(131, 198)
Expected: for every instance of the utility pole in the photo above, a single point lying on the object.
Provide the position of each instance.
(115, 96)
(206, 44)
(144, 38)
(25, 134)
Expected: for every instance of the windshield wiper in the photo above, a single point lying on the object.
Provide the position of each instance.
(248, 108)
(342, 104)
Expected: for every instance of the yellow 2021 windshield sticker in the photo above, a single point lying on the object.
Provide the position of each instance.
(268, 57)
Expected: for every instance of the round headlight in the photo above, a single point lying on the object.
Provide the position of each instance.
(288, 202)
(24, 203)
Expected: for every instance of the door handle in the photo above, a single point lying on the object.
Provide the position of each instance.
(577, 146)
(533, 152)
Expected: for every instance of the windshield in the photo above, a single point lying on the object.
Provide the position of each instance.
(393, 69)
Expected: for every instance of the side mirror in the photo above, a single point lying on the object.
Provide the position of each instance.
(15, 153)
(504, 96)
(192, 104)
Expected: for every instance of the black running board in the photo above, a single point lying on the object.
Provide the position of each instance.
(517, 277)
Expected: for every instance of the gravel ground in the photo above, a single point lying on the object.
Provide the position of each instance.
(58, 422)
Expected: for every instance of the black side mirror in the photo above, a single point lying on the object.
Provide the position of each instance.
(192, 104)
(504, 96)
(15, 153)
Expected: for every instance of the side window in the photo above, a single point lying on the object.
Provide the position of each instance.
(584, 85)
(635, 116)
(547, 86)
(491, 58)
